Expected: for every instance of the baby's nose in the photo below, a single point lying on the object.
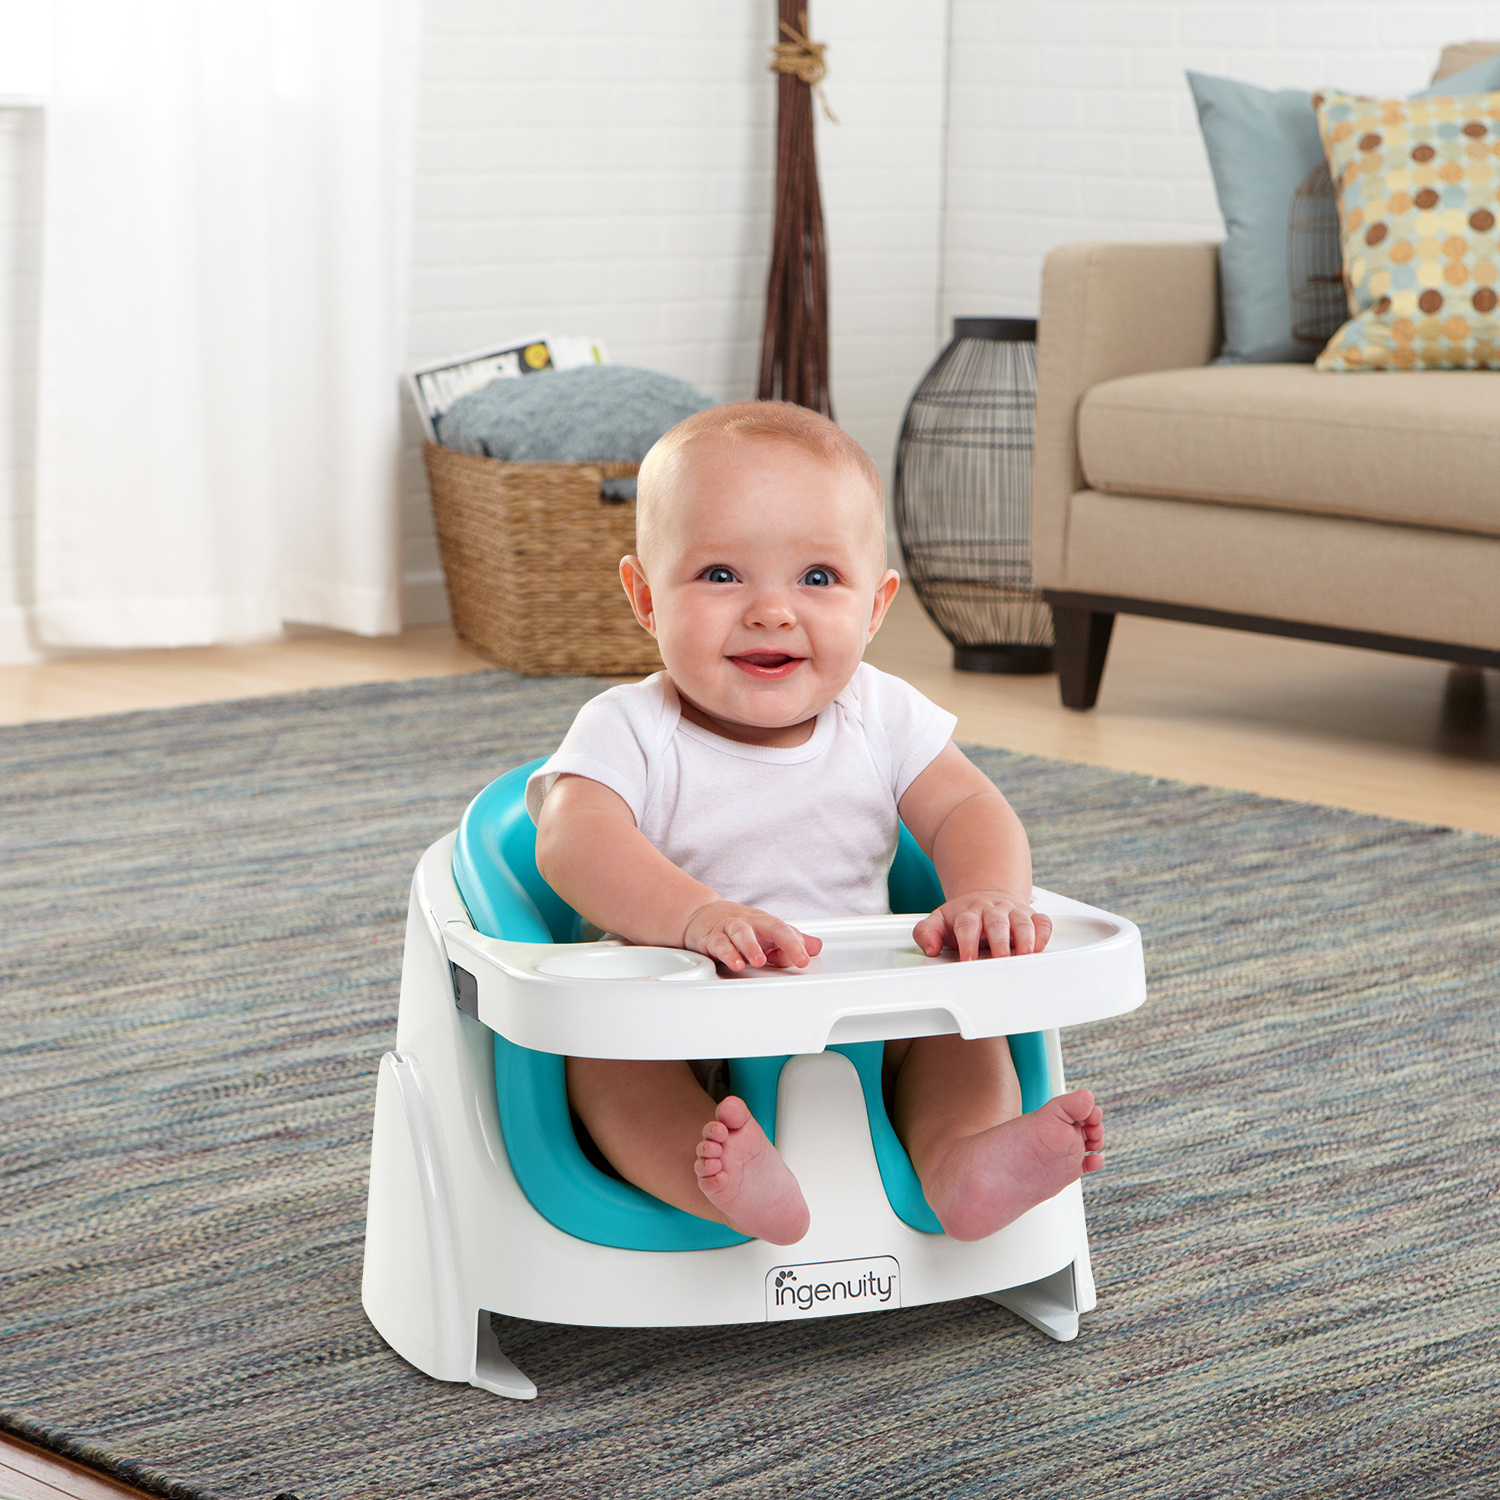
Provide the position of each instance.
(771, 607)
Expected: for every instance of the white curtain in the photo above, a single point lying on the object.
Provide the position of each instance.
(223, 274)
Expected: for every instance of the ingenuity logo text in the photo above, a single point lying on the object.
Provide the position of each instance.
(822, 1288)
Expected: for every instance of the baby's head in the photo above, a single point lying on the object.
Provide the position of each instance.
(761, 568)
(753, 429)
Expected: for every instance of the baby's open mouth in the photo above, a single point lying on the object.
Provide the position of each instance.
(766, 663)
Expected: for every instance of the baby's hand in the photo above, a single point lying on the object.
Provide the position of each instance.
(737, 935)
(1009, 926)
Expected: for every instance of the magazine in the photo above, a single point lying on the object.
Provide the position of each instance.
(436, 385)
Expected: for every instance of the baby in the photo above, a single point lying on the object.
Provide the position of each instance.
(763, 773)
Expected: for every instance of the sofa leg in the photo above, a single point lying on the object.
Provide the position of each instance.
(1082, 644)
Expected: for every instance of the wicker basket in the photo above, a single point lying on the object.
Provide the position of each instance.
(532, 557)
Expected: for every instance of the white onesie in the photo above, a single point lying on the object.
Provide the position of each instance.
(803, 832)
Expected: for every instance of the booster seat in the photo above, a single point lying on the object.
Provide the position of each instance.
(482, 1200)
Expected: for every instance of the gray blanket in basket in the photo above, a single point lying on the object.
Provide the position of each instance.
(570, 416)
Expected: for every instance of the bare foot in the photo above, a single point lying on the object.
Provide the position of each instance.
(743, 1176)
(982, 1182)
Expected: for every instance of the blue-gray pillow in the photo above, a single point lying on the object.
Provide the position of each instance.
(596, 412)
(1262, 146)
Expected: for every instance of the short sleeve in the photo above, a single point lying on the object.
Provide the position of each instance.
(914, 728)
(610, 742)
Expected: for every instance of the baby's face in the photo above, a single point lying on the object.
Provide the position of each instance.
(765, 579)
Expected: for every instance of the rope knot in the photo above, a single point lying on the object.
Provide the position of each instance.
(803, 59)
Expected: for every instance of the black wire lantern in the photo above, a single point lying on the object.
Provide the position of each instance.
(963, 497)
(1315, 260)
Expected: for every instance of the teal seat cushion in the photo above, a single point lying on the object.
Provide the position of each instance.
(494, 866)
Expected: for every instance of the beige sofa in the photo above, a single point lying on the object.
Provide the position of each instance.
(1362, 509)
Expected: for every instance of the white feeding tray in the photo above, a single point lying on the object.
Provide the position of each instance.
(867, 950)
(871, 981)
(623, 961)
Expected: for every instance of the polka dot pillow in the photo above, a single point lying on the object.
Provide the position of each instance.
(1419, 194)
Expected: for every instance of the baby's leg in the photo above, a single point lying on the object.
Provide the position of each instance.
(648, 1118)
(957, 1107)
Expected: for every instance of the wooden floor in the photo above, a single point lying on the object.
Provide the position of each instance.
(1393, 735)
(121, 681)
(28, 1473)
(1383, 734)
(1358, 729)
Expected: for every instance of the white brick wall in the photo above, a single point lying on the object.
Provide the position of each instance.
(881, 168)
(20, 227)
(589, 167)
(1071, 120)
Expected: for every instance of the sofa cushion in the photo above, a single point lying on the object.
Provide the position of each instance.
(1271, 179)
(1418, 197)
(1356, 575)
(1422, 449)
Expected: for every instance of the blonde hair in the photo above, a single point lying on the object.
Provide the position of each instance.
(752, 421)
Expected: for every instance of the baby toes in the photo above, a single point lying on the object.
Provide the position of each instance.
(732, 1114)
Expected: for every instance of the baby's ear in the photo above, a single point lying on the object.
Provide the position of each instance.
(638, 591)
(885, 591)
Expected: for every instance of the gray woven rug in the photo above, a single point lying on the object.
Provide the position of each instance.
(1295, 1235)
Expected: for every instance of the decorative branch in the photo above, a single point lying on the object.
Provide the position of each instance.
(794, 348)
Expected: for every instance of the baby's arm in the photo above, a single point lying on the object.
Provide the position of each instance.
(973, 836)
(590, 852)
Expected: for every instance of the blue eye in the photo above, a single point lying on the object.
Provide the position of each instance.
(818, 578)
(718, 575)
